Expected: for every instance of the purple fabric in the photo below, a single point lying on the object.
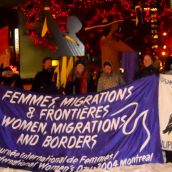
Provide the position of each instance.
(130, 65)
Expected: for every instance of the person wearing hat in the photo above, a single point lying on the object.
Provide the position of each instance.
(108, 78)
(77, 82)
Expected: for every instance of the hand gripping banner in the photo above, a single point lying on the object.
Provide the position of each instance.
(116, 127)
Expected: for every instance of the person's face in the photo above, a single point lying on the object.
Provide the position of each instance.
(47, 64)
(147, 61)
(107, 69)
(80, 68)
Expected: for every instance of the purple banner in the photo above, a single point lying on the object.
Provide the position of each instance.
(116, 127)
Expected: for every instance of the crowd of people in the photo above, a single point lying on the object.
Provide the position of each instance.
(81, 79)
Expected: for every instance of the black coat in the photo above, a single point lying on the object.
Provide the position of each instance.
(147, 71)
(43, 82)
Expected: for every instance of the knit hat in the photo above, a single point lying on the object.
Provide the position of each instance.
(80, 62)
(106, 63)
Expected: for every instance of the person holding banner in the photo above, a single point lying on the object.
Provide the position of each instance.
(108, 78)
(148, 68)
(10, 77)
(77, 82)
(43, 81)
